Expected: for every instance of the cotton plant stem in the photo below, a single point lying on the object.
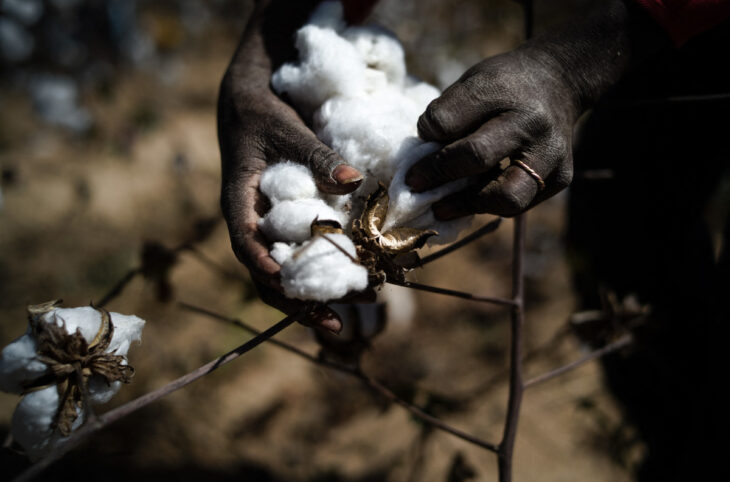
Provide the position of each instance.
(454, 293)
(622, 342)
(516, 384)
(117, 289)
(486, 229)
(132, 406)
(370, 382)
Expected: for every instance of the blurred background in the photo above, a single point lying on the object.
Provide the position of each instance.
(109, 161)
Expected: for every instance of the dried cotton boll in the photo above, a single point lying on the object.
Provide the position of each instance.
(292, 220)
(21, 369)
(287, 181)
(318, 270)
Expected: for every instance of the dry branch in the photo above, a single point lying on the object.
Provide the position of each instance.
(367, 380)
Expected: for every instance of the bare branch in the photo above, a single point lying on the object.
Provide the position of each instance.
(370, 382)
(454, 293)
(516, 386)
(122, 411)
(486, 229)
(622, 342)
(117, 289)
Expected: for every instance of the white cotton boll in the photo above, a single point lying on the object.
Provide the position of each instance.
(420, 93)
(381, 51)
(127, 328)
(329, 65)
(287, 181)
(18, 363)
(406, 205)
(31, 424)
(368, 131)
(320, 271)
(339, 202)
(292, 220)
(282, 252)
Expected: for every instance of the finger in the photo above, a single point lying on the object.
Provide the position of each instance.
(331, 173)
(241, 203)
(511, 193)
(319, 317)
(475, 154)
(461, 109)
(367, 296)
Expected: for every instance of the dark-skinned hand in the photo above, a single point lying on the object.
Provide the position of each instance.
(522, 106)
(256, 128)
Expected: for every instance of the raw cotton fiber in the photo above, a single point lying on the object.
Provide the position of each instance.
(351, 85)
(31, 424)
(319, 270)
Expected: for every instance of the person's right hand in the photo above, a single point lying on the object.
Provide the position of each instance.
(256, 128)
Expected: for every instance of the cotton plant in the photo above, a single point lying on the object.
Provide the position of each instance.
(351, 82)
(68, 359)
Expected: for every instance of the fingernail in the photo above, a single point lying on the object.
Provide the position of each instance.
(416, 181)
(345, 174)
(446, 212)
(331, 324)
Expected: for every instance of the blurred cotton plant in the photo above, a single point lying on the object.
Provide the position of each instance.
(68, 359)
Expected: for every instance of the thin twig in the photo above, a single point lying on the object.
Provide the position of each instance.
(622, 342)
(486, 229)
(370, 382)
(132, 406)
(516, 386)
(457, 294)
(117, 289)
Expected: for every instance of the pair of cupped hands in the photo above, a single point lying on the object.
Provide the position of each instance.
(520, 105)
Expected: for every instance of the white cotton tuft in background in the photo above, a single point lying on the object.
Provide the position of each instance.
(31, 423)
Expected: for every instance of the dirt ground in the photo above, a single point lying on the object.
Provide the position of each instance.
(77, 211)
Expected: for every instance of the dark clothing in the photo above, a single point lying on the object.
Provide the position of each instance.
(646, 232)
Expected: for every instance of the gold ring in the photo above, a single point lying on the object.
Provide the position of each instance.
(530, 171)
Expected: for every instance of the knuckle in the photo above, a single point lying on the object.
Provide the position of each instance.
(435, 122)
(564, 175)
(508, 202)
(321, 160)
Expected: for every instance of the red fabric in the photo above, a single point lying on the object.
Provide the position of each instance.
(357, 10)
(683, 19)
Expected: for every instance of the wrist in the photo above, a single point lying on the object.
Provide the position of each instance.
(593, 55)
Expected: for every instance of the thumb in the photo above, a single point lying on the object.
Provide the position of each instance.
(331, 173)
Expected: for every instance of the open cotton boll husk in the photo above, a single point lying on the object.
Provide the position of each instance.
(21, 369)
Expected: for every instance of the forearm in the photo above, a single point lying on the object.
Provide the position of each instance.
(593, 55)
